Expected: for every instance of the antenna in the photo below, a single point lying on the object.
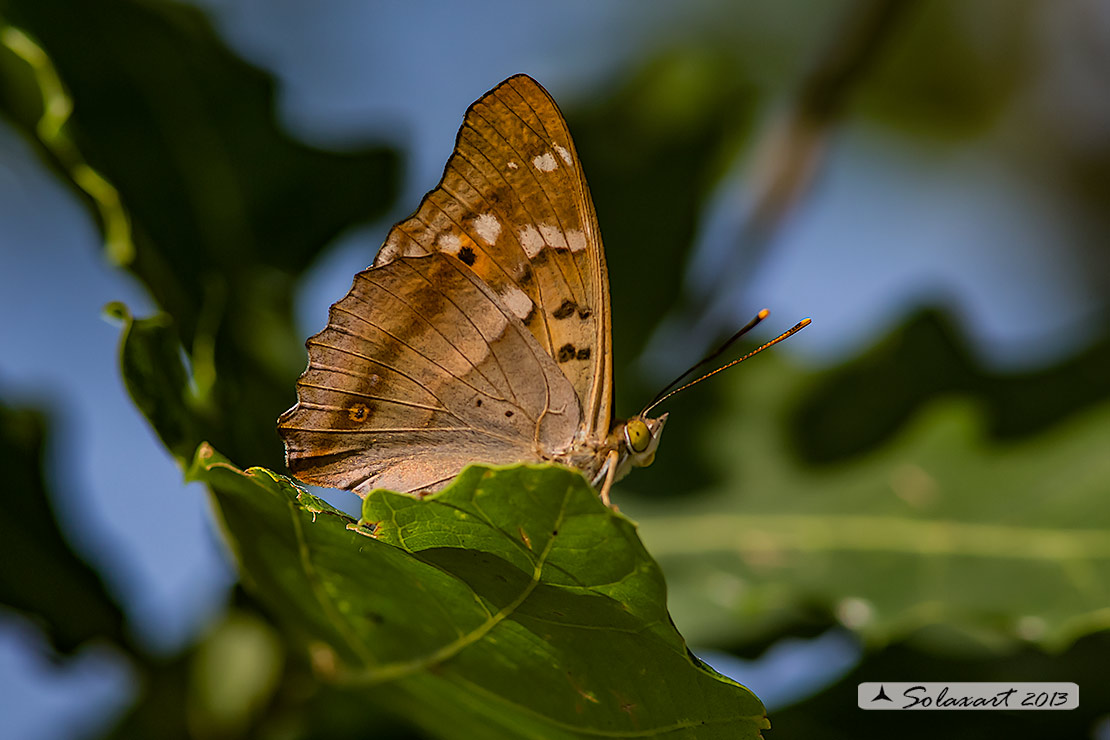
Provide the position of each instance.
(663, 395)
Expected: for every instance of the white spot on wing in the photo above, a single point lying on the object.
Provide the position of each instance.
(517, 301)
(577, 240)
(389, 252)
(531, 240)
(563, 153)
(545, 162)
(448, 242)
(488, 228)
(553, 236)
(398, 245)
(512, 165)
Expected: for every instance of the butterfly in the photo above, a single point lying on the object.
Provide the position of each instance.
(482, 332)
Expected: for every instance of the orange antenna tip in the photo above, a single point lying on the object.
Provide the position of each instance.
(666, 393)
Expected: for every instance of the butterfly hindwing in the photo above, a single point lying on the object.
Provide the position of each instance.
(513, 206)
(421, 370)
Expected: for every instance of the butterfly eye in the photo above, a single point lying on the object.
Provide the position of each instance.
(638, 435)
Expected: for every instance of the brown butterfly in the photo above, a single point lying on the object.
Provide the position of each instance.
(482, 332)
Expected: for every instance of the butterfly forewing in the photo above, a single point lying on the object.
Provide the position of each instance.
(422, 369)
(513, 206)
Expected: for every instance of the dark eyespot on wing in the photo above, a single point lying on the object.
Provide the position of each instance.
(358, 413)
(584, 313)
(466, 254)
(508, 414)
(565, 309)
(583, 354)
(566, 353)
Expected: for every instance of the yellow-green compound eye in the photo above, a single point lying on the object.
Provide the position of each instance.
(638, 435)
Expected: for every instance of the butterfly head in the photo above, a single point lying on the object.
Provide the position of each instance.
(641, 436)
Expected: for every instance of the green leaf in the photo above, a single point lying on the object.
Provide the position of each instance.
(157, 380)
(513, 602)
(1001, 541)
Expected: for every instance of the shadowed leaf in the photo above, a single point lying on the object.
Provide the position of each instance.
(514, 597)
(154, 373)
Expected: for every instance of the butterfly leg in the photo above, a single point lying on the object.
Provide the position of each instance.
(610, 473)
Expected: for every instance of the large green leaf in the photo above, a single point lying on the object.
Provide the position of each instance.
(1005, 540)
(511, 605)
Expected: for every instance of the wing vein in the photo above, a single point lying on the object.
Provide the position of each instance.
(547, 139)
(318, 343)
(372, 397)
(432, 326)
(496, 304)
(602, 376)
(546, 195)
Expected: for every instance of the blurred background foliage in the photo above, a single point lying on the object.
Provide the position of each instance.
(915, 476)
